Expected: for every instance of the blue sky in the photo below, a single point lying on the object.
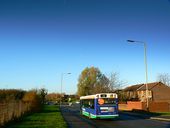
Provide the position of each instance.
(41, 39)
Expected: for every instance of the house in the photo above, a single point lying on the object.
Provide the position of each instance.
(157, 92)
(130, 92)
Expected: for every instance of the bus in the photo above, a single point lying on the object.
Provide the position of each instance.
(103, 105)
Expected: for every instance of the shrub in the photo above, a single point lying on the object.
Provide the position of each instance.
(34, 99)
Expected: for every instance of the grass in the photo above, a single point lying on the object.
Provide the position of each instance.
(163, 113)
(152, 113)
(49, 117)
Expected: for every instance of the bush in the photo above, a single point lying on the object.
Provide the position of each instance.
(11, 94)
(34, 99)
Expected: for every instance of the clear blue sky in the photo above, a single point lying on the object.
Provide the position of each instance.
(40, 39)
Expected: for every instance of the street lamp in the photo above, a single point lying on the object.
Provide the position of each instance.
(62, 74)
(146, 69)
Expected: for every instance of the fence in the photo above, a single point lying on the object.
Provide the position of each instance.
(12, 110)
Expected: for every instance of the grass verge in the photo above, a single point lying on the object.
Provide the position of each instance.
(49, 117)
(163, 113)
(151, 113)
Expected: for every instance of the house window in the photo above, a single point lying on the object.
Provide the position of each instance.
(150, 93)
(144, 93)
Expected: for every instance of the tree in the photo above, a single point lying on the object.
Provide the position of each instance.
(43, 93)
(92, 81)
(114, 82)
(115, 85)
(33, 98)
(164, 78)
(55, 97)
(11, 94)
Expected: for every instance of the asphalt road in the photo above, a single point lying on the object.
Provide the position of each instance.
(75, 120)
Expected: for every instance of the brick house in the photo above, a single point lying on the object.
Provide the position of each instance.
(130, 92)
(157, 92)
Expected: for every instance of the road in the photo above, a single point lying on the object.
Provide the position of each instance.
(75, 120)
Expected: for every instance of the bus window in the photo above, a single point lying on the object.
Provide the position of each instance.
(108, 101)
(103, 95)
(89, 103)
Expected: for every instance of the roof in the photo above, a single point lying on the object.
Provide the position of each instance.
(133, 87)
(141, 87)
(150, 86)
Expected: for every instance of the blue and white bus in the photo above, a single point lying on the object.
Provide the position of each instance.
(103, 105)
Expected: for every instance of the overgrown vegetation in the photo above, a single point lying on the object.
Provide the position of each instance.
(34, 99)
(11, 94)
(49, 117)
(15, 103)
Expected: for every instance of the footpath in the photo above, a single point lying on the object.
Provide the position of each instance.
(148, 116)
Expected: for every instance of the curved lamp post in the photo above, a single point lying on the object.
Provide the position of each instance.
(146, 69)
(62, 74)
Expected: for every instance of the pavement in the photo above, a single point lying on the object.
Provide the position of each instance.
(147, 116)
(163, 118)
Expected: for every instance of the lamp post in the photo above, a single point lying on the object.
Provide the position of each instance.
(146, 69)
(62, 74)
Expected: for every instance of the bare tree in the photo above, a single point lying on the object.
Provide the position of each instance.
(116, 85)
(114, 82)
(164, 78)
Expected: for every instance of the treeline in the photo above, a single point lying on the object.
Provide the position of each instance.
(57, 98)
(36, 96)
(11, 94)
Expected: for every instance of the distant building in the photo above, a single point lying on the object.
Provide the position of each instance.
(70, 97)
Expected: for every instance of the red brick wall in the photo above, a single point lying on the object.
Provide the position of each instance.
(134, 105)
(159, 107)
(123, 107)
(153, 106)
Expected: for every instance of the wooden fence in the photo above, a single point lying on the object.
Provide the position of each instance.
(12, 110)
